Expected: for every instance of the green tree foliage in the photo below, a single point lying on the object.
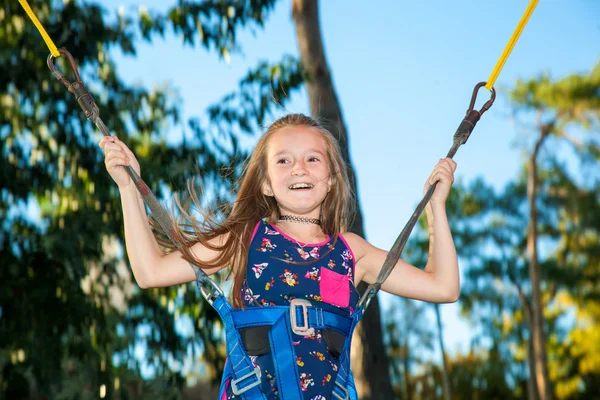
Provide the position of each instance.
(407, 335)
(71, 318)
(568, 112)
(491, 236)
(490, 228)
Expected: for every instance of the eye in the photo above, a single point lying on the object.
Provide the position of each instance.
(283, 161)
(313, 159)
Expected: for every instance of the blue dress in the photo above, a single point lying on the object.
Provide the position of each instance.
(279, 270)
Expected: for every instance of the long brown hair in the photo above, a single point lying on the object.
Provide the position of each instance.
(237, 220)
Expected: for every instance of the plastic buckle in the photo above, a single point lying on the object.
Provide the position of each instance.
(234, 382)
(303, 329)
(210, 293)
(343, 389)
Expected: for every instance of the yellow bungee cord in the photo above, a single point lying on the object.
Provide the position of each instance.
(489, 84)
(40, 28)
(511, 43)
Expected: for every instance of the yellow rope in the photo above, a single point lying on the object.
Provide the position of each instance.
(489, 84)
(38, 25)
(510, 45)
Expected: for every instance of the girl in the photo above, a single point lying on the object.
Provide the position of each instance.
(285, 239)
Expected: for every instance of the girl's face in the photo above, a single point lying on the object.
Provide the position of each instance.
(298, 170)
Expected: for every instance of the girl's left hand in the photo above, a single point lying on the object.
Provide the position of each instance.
(443, 173)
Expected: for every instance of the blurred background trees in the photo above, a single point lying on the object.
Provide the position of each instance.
(74, 325)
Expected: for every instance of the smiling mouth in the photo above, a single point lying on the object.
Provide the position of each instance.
(300, 186)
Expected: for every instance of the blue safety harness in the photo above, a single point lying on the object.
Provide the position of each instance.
(300, 318)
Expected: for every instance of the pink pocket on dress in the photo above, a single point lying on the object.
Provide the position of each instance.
(334, 288)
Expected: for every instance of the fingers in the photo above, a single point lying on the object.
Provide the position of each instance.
(447, 163)
(103, 141)
(123, 147)
(115, 156)
(443, 171)
(115, 162)
(115, 149)
(106, 140)
(114, 159)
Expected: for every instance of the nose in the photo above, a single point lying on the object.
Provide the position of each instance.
(299, 169)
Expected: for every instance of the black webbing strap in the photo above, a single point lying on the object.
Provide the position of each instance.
(460, 137)
(208, 287)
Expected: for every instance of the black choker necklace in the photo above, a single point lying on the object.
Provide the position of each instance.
(304, 220)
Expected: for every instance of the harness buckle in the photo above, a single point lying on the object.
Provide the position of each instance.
(301, 328)
(210, 290)
(343, 389)
(234, 382)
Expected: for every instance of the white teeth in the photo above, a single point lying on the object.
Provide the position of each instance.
(301, 186)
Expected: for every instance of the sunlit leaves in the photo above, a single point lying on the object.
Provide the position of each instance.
(212, 24)
(61, 237)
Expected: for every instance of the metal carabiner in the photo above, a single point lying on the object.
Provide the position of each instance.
(472, 116)
(57, 74)
(487, 105)
(84, 98)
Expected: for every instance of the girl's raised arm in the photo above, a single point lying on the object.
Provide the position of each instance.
(151, 267)
(439, 281)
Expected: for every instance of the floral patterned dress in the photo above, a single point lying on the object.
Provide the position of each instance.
(279, 270)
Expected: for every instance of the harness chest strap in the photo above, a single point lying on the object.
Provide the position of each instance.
(301, 310)
(301, 317)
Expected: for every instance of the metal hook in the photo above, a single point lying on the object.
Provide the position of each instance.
(468, 123)
(57, 74)
(84, 98)
(487, 105)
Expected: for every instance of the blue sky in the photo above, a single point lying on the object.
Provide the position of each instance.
(404, 72)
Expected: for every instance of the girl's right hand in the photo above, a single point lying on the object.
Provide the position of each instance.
(117, 155)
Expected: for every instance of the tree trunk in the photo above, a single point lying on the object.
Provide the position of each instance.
(406, 361)
(537, 313)
(532, 393)
(445, 373)
(369, 357)
(532, 389)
